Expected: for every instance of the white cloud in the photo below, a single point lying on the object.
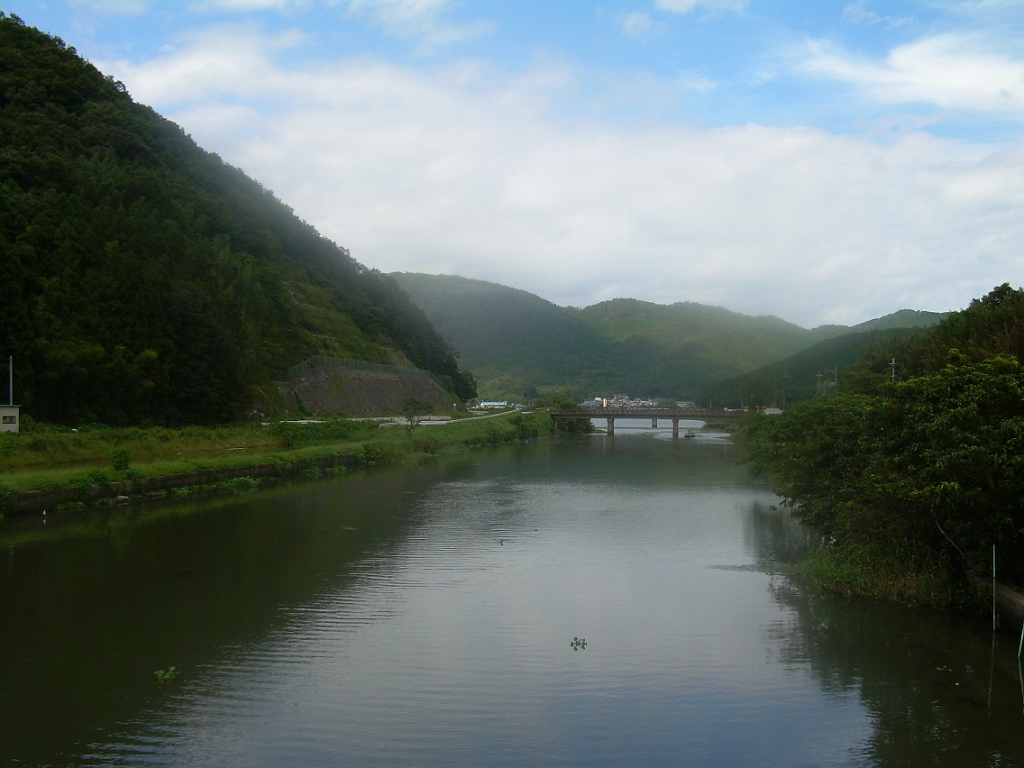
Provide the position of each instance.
(859, 13)
(685, 6)
(458, 171)
(113, 7)
(950, 71)
(638, 24)
(694, 81)
(418, 19)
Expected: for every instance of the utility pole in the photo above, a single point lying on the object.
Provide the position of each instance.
(10, 379)
(784, 377)
(820, 389)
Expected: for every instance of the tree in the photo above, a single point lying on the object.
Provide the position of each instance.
(414, 411)
(934, 463)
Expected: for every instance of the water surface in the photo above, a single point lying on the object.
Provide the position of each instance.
(425, 617)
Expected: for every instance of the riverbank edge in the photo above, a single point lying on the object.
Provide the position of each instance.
(393, 448)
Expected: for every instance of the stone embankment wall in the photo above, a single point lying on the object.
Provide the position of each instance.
(354, 393)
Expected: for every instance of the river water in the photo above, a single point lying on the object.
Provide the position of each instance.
(436, 617)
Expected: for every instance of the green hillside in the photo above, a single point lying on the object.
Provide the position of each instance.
(904, 318)
(144, 279)
(679, 349)
(809, 372)
(519, 345)
(516, 344)
(992, 325)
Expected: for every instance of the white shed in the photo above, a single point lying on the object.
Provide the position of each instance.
(10, 418)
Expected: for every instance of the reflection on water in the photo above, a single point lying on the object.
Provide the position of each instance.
(602, 602)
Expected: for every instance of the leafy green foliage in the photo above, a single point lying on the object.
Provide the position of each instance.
(120, 458)
(414, 411)
(934, 464)
(991, 325)
(143, 279)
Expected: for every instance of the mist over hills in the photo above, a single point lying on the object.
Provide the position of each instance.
(519, 345)
(143, 279)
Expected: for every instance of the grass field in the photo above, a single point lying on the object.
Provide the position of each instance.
(45, 457)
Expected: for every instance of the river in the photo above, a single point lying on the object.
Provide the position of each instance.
(604, 602)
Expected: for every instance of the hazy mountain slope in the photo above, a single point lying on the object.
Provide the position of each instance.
(904, 318)
(681, 348)
(518, 344)
(142, 278)
(512, 341)
(832, 358)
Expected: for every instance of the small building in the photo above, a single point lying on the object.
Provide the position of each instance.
(494, 404)
(10, 418)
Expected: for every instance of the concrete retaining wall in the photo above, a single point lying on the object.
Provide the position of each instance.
(354, 393)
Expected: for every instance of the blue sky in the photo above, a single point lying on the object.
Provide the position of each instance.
(822, 161)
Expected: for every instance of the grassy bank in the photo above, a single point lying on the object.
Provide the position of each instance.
(103, 462)
(865, 570)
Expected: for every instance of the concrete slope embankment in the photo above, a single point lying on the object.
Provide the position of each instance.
(355, 393)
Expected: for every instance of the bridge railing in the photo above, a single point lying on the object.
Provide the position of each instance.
(667, 413)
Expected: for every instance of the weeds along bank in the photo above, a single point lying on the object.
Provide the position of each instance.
(46, 468)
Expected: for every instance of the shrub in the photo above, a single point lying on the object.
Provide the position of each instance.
(120, 458)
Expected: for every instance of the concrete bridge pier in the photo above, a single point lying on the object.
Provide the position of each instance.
(611, 426)
(675, 428)
(654, 423)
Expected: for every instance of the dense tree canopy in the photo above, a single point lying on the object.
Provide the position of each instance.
(142, 278)
(933, 461)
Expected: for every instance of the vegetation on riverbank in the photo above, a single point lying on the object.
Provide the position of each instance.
(911, 482)
(47, 458)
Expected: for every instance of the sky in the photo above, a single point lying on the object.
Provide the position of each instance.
(826, 162)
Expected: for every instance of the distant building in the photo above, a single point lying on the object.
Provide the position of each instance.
(494, 404)
(773, 411)
(10, 418)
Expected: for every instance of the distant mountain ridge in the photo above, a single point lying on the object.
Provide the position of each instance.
(903, 318)
(519, 345)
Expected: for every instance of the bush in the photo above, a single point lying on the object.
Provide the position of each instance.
(120, 458)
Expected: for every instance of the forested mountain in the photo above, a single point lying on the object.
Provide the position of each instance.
(813, 371)
(144, 279)
(678, 349)
(519, 345)
(515, 343)
(904, 318)
(991, 325)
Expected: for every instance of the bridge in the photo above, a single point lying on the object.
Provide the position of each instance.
(675, 415)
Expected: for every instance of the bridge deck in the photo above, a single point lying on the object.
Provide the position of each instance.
(693, 414)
